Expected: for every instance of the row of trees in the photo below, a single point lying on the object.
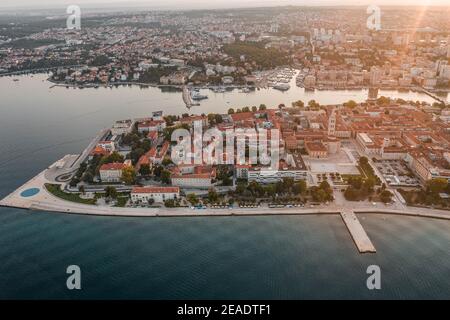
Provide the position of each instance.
(287, 187)
(430, 195)
(360, 189)
(262, 107)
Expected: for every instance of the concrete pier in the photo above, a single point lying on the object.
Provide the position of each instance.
(187, 98)
(357, 232)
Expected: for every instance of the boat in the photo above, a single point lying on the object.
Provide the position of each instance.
(196, 95)
(219, 90)
(282, 86)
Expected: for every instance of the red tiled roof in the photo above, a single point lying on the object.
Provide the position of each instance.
(152, 135)
(99, 151)
(193, 176)
(242, 116)
(156, 190)
(112, 166)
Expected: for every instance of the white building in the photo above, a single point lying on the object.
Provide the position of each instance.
(193, 181)
(151, 125)
(109, 146)
(157, 194)
(267, 175)
(122, 127)
(376, 75)
(111, 172)
(370, 147)
(242, 171)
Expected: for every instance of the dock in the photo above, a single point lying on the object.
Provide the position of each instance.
(359, 235)
(432, 95)
(187, 98)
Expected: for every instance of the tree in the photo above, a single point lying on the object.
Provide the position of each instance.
(262, 107)
(157, 171)
(144, 170)
(363, 161)
(113, 157)
(170, 203)
(254, 109)
(437, 185)
(167, 161)
(383, 100)
(356, 182)
(192, 198)
(288, 183)
(298, 104)
(136, 154)
(350, 104)
(241, 187)
(165, 176)
(270, 190)
(128, 175)
(81, 189)
(313, 104)
(231, 111)
(325, 186)
(351, 194)
(213, 196)
(88, 177)
(111, 192)
(386, 196)
(218, 118)
(74, 182)
(300, 187)
(369, 184)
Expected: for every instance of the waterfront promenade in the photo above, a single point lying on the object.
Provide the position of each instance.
(34, 196)
(45, 201)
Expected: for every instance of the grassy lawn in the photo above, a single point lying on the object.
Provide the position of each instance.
(368, 171)
(57, 192)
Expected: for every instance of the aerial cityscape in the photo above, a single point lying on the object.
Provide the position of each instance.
(281, 112)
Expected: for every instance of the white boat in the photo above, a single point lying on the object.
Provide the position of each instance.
(196, 95)
(282, 86)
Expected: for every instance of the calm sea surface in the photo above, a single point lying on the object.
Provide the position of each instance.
(188, 258)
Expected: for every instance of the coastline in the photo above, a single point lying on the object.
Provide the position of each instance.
(45, 201)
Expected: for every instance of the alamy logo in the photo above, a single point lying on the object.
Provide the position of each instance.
(74, 18)
(374, 280)
(74, 280)
(374, 20)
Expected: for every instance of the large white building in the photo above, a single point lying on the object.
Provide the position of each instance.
(193, 181)
(122, 127)
(267, 175)
(157, 194)
(111, 172)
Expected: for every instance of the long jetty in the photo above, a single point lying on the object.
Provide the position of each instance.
(357, 232)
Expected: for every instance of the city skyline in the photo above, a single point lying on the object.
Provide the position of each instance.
(205, 4)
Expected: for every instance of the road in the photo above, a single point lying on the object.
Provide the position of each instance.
(45, 201)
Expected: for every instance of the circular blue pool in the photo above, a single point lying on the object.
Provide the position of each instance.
(29, 192)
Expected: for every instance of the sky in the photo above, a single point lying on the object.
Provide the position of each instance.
(195, 4)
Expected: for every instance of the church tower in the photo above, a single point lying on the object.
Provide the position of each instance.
(332, 124)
